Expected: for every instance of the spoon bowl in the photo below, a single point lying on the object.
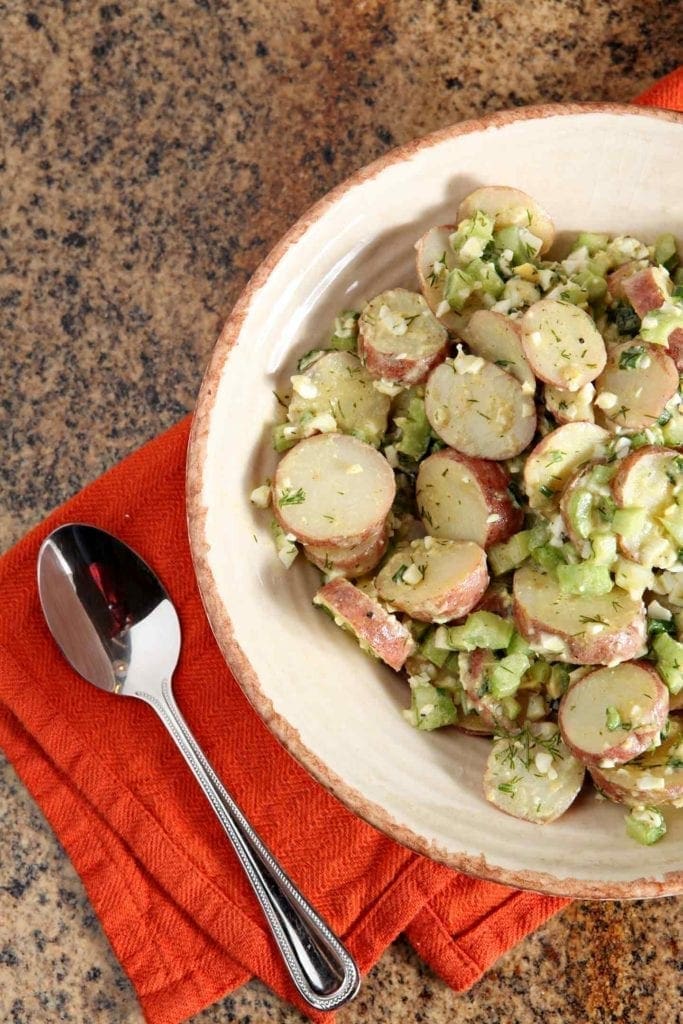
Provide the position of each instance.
(116, 625)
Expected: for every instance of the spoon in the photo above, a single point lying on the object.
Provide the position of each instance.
(116, 626)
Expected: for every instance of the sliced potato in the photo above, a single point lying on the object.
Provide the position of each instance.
(613, 714)
(434, 580)
(533, 776)
(654, 778)
(562, 344)
(338, 384)
(378, 632)
(497, 338)
(570, 406)
(435, 258)
(355, 561)
(557, 457)
(675, 343)
(332, 490)
(479, 409)
(510, 208)
(648, 479)
(618, 277)
(399, 338)
(647, 289)
(460, 498)
(603, 630)
(637, 382)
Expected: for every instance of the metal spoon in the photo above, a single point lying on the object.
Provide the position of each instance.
(116, 625)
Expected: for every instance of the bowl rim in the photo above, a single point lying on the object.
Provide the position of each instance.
(670, 883)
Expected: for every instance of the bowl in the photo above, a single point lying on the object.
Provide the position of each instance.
(599, 167)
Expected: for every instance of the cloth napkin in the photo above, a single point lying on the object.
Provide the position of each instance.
(157, 868)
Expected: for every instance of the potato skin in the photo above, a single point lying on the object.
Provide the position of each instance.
(354, 561)
(617, 278)
(645, 290)
(383, 633)
(618, 644)
(657, 385)
(457, 599)
(621, 782)
(397, 366)
(638, 740)
(675, 341)
(492, 482)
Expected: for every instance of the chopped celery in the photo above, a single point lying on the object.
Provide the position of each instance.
(482, 629)
(586, 578)
(629, 523)
(485, 273)
(518, 645)
(539, 673)
(345, 331)
(572, 292)
(512, 238)
(458, 288)
(437, 655)
(431, 707)
(506, 675)
(669, 654)
(548, 558)
(511, 708)
(415, 430)
(632, 577)
(285, 547)
(472, 236)
(666, 253)
(674, 526)
(510, 554)
(672, 431)
(558, 681)
(285, 436)
(600, 263)
(658, 324)
(579, 512)
(604, 548)
(645, 824)
(592, 240)
(593, 284)
(538, 535)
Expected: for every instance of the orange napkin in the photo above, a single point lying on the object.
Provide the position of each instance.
(158, 869)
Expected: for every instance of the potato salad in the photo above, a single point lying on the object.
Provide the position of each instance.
(488, 473)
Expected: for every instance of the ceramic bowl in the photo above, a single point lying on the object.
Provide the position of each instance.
(598, 167)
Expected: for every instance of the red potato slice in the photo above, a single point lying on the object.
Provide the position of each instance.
(510, 208)
(356, 561)
(399, 338)
(618, 277)
(460, 498)
(602, 630)
(434, 258)
(562, 344)
(675, 342)
(637, 382)
(654, 778)
(338, 384)
(647, 289)
(647, 479)
(332, 490)
(638, 696)
(570, 406)
(557, 457)
(498, 600)
(479, 409)
(497, 338)
(378, 632)
(434, 580)
(533, 776)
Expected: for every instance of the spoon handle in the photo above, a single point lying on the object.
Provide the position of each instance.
(323, 971)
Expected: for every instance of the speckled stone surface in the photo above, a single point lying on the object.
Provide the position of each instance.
(151, 155)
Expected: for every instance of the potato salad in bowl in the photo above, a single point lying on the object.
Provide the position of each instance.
(488, 473)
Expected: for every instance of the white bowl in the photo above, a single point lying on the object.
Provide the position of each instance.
(597, 167)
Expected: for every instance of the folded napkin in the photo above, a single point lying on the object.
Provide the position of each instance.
(157, 867)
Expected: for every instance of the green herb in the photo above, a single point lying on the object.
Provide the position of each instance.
(555, 456)
(280, 401)
(547, 492)
(630, 357)
(674, 762)
(409, 319)
(503, 362)
(399, 574)
(657, 626)
(510, 788)
(664, 418)
(583, 619)
(289, 497)
(626, 319)
(622, 410)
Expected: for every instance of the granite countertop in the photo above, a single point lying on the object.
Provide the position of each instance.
(152, 155)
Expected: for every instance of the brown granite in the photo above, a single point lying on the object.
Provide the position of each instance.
(151, 155)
